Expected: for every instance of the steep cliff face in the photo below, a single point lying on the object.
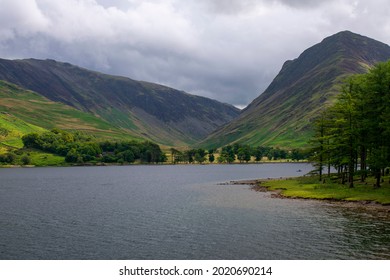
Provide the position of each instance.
(282, 114)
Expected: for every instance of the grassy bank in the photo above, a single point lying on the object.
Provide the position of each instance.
(311, 188)
(35, 158)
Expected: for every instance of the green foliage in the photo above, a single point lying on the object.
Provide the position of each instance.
(81, 148)
(355, 130)
(39, 158)
(26, 160)
(30, 157)
(12, 128)
(227, 154)
(8, 158)
(244, 153)
(31, 140)
(211, 157)
(190, 156)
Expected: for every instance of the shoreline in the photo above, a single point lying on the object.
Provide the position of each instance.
(87, 164)
(259, 185)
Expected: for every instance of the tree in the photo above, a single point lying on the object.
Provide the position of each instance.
(244, 153)
(127, 156)
(189, 156)
(297, 155)
(227, 154)
(26, 160)
(31, 140)
(199, 157)
(9, 158)
(356, 129)
(211, 158)
(72, 155)
(377, 97)
(258, 153)
(174, 152)
(345, 108)
(318, 144)
(151, 152)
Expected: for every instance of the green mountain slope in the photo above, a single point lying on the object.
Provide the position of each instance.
(12, 129)
(145, 110)
(281, 116)
(23, 111)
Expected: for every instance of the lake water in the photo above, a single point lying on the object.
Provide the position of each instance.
(175, 212)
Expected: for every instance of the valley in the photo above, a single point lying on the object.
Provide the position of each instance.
(37, 96)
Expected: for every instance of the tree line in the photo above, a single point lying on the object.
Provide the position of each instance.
(80, 148)
(353, 135)
(237, 151)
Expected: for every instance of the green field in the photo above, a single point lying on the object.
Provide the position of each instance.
(36, 158)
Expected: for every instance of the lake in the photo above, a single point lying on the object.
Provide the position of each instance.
(176, 212)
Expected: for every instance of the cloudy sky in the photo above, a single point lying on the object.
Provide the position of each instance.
(229, 50)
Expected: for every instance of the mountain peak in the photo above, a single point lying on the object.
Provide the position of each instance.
(354, 43)
(345, 33)
(282, 114)
(349, 35)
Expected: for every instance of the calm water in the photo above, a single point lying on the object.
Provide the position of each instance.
(175, 212)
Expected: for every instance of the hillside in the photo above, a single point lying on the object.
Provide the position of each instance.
(24, 111)
(140, 109)
(282, 114)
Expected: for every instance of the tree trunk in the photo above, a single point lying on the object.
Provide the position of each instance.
(351, 163)
(378, 178)
(363, 163)
(350, 176)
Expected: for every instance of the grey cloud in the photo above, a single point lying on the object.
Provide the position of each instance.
(226, 50)
(229, 6)
(303, 3)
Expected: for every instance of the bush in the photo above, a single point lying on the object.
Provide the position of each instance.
(72, 156)
(26, 160)
(8, 158)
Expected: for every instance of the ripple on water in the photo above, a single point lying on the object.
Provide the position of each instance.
(175, 212)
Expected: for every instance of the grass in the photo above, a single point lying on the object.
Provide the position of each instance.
(23, 111)
(39, 158)
(41, 112)
(12, 129)
(310, 187)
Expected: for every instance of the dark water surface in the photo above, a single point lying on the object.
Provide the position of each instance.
(175, 212)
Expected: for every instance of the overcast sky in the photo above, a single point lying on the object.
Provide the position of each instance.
(229, 50)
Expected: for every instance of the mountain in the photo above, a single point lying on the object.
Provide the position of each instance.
(24, 111)
(282, 114)
(140, 109)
